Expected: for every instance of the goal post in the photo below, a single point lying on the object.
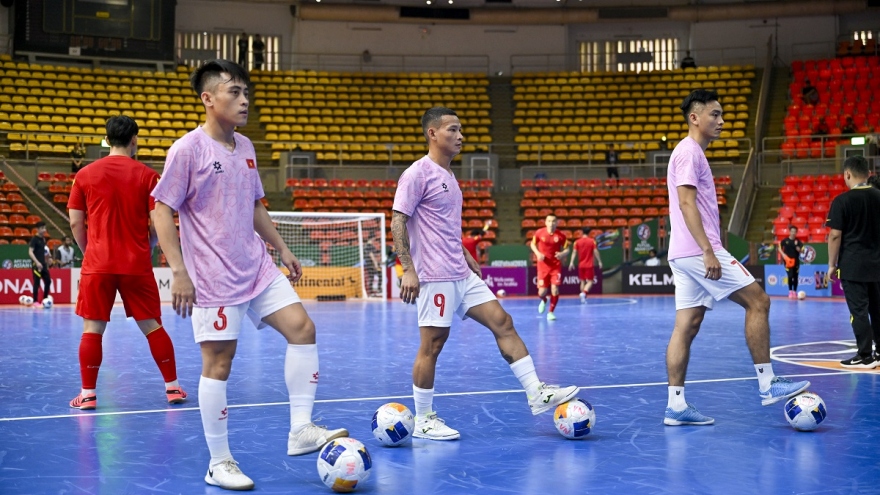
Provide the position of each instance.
(342, 254)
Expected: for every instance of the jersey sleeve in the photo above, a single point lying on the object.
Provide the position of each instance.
(173, 186)
(76, 200)
(259, 193)
(151, 178)
(835, 215)
(684, 169)
(410, 190)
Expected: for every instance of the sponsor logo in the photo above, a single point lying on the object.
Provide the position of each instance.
(7, 264)
(315, 377)
(808, 254)
(223, 414)
(514, 263)
(251, 163)
(643, 231)
(650, 279)
(772, 280)
(445, 187)
(547, 399)
(218, 167)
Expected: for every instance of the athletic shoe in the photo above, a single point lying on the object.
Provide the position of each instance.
(37, 305)
(175, 395)
(551, 316)
(431, 427)
(90, 401)
(550, 396)
(782, 388)
(541, 306)
(792, 294)
(583, 298)
(688, 416)
(860, 363)
(311, 438)
(227, 475)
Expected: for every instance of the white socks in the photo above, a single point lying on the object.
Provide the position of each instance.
(212, 406)
(172, 385)
(301, 377)
(676, 400)
(765, 376)
(424, 399)
(524, 370)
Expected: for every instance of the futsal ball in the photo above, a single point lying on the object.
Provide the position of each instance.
(805, 412)
(48, 302)
(343, 464)
(26, 300)
(501, 293)
(802, 295)
(574, 419)
(393, 424)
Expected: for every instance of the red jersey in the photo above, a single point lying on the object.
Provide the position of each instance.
(584, 248)
(115, 194)
(549, 244)
(470, 243)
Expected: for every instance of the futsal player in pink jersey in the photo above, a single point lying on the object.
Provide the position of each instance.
(224, 272)
(443, 279)
(703, 270)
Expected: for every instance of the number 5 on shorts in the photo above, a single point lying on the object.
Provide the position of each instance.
(221, 323)
(440, 302)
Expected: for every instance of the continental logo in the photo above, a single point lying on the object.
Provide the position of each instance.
(330, 281)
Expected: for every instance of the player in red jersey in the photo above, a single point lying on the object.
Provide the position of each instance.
(586, 251)
(471, 242)
(114, 192)
(550, 247)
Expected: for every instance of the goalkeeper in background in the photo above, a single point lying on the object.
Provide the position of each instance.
(790, 248)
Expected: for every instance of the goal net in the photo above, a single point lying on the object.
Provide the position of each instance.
(342, 254)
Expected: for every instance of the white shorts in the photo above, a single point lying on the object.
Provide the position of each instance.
(438, 300)
(224, 323)
(693, 289)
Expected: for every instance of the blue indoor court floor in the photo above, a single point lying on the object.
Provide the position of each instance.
(613, 347)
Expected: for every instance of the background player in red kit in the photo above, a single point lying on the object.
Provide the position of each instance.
(586, 251)
(471, 242)
(114, 192)
(549, 246)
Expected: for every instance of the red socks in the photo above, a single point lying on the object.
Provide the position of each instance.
(163, 353)
(90, 356)
(553, 301)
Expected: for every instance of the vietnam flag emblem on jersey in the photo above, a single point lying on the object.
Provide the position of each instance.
(251, 163)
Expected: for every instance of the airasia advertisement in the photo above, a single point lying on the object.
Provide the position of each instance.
(19, 282)
(570, 283)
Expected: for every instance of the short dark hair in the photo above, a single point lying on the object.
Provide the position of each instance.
(120, 130)
(857, 165)
(586, 230)
(433, 116)
(697, 96)
(476, 231)
(66, 238)
(213, 68)
(793, 227)
(40, 224)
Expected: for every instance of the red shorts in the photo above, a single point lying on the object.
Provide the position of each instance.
(97, 292)
(549, 275)
(586, 273)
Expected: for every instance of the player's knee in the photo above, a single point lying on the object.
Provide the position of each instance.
(761, 303)
(306, 330)
(503, 324)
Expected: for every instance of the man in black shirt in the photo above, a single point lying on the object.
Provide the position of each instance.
(854, 249)
(37, 252)
(790, 248)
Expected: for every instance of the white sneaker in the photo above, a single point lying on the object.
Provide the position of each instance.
(433, 428)
(227, 475)
(311, 438)
(550, 316)
(550, 396)
(583, 298)
(541, 306)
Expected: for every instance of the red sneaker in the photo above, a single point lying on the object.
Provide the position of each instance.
(88, 402)
(175, 395)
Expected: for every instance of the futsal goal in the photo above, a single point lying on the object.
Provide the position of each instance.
(342, 254)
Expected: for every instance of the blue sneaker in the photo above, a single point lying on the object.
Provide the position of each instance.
(782, 388)
(689, 416)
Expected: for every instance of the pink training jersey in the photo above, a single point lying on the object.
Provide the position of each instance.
(688, 166)
(430, 197)
(214, 190)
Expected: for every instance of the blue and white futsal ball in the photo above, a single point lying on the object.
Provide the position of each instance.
(48, 302)
(805, 412)
(26, 300)
(343, 464)
(393, 424)
(574, 419)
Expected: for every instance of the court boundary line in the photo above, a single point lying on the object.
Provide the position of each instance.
(398, 397)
